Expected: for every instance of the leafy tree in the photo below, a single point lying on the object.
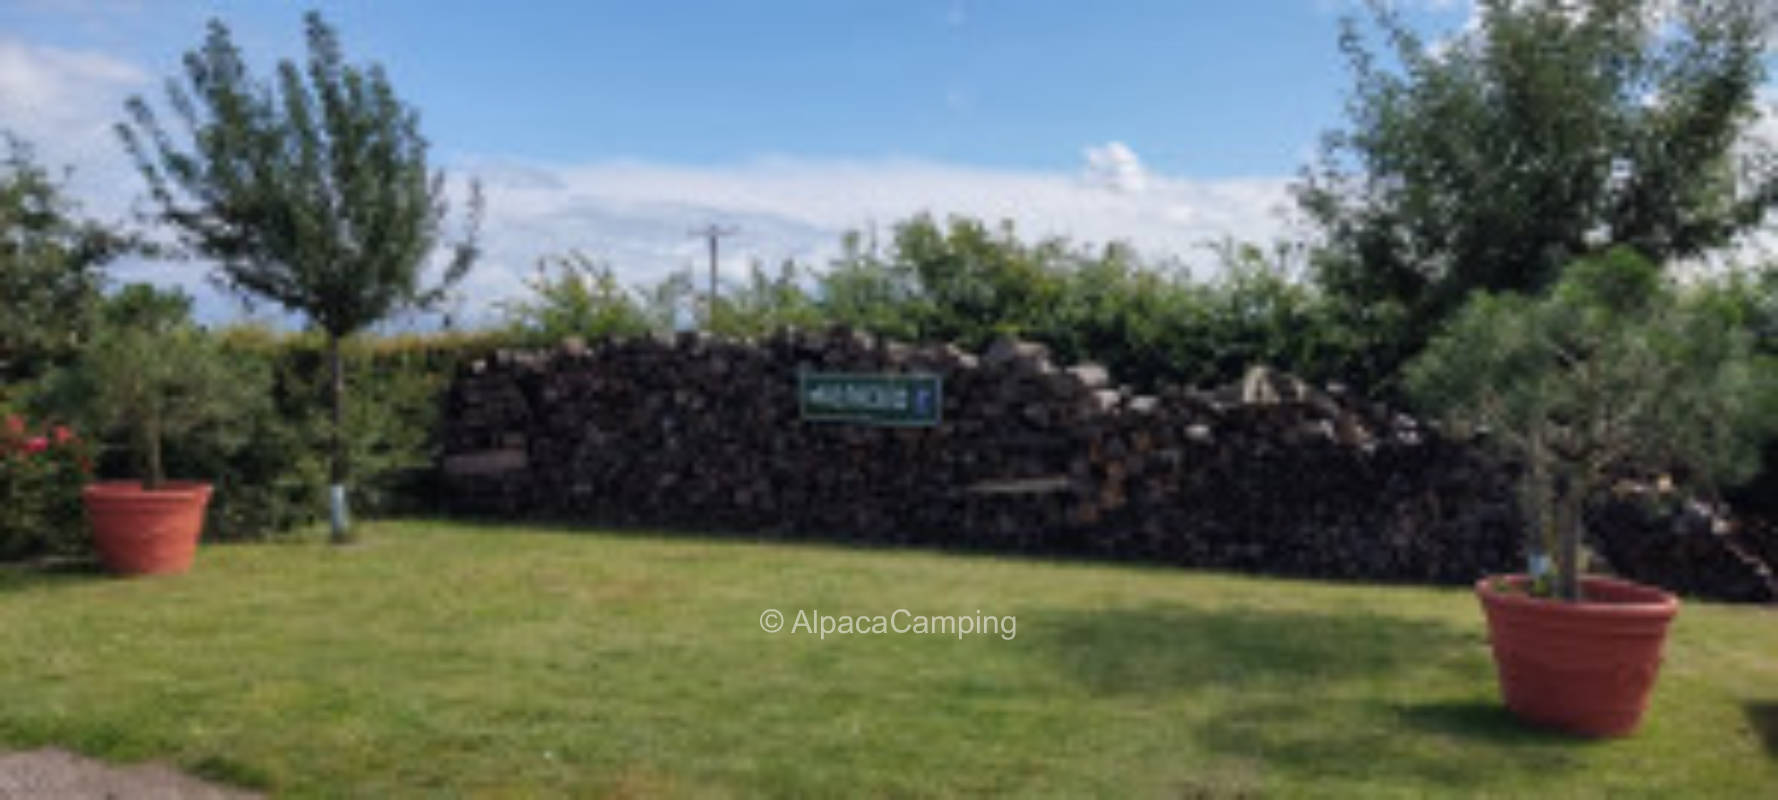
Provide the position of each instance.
(1612, 370)
(573, 295)
(960, 281)
(49, 267)
(1257, 311)
(765, 303)
(312, 192)
(868, 292)
(1116, 310)
(979, 282)
(1551, 131)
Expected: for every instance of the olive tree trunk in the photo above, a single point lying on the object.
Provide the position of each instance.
(154, 474)
(1569, 497)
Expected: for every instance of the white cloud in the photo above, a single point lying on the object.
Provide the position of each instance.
(64, 102)
(1115, 166)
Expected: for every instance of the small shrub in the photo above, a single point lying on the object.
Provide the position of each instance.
(1612, 372)
(151, 377)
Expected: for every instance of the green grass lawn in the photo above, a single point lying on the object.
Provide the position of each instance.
(439, 658)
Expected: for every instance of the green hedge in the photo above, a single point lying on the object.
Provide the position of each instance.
(268, 457)
(276, 477)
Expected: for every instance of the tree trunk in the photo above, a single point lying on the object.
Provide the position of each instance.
(1538, 496)
(1569, 498)
(154, 474)
(338, 517)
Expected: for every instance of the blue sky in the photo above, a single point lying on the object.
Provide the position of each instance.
(613, 127)
(1013, 84)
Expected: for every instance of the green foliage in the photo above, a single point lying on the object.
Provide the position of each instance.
(311, 191)
(1547, 133)
(49, 268)
(573, 295)
(271, 466)
(979, 283)
(865, 291)
(1257, 311)
(765, 303)
(265, 446)
(963, 282)
(1149, 323)
(150, 376)
(391, 432)
(1749, 299)
(278, 480)
(1612, 370)
(956, 282)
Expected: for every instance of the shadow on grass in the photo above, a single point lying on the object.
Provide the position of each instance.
(50, 572)
(1165, 648)
(1467, 746)
(1480, 722)
(1308, 693)
(1764, 718)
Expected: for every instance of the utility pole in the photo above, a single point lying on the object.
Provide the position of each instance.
(712, 233)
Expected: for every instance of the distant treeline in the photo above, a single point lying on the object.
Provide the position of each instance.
(966, 282)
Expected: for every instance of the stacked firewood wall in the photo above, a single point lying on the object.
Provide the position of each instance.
(1268, 476)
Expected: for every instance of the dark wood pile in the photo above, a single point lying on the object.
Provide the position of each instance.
(1688, 548)
(1269, 476)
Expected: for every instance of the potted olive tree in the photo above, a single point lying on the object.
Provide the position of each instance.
(1612, 375)
(151, 374)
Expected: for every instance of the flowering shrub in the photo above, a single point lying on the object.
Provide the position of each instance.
(41, 472)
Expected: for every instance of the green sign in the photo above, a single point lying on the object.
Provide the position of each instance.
(881, 399)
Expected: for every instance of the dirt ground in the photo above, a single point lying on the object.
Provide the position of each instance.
(62, 775)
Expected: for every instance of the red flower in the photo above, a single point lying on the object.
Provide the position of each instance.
(63, 435)
(36, 444)
(15, 425)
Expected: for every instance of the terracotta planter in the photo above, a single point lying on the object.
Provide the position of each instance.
(1583, 667)
(139, 532)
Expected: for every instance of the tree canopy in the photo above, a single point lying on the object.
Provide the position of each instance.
(49, 266)
(1550, 131)
(312, 191)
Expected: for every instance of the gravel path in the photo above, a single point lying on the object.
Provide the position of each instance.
(62, 775)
